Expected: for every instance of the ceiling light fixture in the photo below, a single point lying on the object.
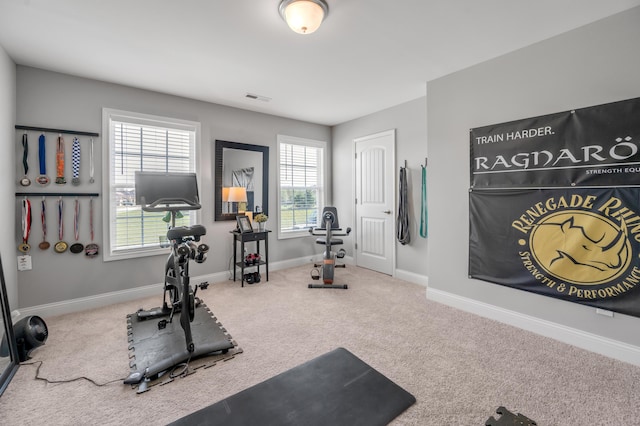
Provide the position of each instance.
(303, 16)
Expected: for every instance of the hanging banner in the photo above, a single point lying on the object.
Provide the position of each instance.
(594, 146)
(577, 244)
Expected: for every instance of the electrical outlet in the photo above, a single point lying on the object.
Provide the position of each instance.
(24, 263)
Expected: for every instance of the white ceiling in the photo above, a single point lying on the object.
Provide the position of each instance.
(367, 56)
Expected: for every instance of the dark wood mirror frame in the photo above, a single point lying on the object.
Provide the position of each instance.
(7, 374)
(220, 146)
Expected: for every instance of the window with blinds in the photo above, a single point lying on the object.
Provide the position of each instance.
(143, 143)
(300, 184)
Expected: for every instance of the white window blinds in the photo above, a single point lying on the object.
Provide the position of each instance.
(143, 143)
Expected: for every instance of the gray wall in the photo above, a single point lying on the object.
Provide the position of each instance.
(53, 100)
(592, 65)
(8, 249)
(411, 145)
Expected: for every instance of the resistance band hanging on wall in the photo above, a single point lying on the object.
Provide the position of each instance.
(403, 234)
(424, 215)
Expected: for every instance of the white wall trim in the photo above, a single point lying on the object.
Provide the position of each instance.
(105, 299)
(589, 341)
(411, 277)
(92, 302)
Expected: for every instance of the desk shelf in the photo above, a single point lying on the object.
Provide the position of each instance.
(248, 237)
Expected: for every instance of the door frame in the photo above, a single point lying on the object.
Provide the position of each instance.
(354, 192)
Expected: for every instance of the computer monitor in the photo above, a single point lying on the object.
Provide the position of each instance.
(158, 189)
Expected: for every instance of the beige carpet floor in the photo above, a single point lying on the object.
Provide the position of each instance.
(460, 367)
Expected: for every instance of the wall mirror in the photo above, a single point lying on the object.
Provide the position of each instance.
(241, 179)
(9, 361)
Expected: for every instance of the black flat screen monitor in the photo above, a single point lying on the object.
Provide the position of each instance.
(157, 188)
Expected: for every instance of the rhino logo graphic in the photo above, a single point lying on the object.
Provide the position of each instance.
(581, 247)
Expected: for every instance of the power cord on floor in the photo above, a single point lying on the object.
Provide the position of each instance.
(185, 369)
(37, 377)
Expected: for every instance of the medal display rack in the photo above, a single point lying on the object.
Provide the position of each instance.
(91, 250)
(57, 194)
(66, 132)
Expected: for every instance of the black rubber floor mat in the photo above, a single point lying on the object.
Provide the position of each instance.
(336, 388)
(156, 350)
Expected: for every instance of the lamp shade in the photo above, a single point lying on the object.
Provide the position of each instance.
(303, 16)
(237, 194)
(225, 194)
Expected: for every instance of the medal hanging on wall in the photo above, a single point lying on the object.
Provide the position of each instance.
(24, 247)
(43, 219)
(75, 162)
(60, 180)
(91, 180)
(25, 181)
(91, 249)
(42, 179)
(76, 247)
(60, 246)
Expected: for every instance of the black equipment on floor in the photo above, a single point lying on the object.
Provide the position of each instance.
(336, 388)
(328, 229)
(30, 332)
(507, 418)
(155, 351)
(173, 192)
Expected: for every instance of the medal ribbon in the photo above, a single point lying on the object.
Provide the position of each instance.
(60, 224)
(91, 216)
(60, 162)
(41, 155)
(76, 225)
(91, 162)
(25, 146)
(26, 220)
(75, 161)
(43, 213)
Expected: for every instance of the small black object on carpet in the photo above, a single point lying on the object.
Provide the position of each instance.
(336, 388)
(507, 418)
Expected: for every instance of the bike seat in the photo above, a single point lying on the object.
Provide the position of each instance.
(334, 241)
(181, 232)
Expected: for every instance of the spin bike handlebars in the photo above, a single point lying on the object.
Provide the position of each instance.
(169, 204)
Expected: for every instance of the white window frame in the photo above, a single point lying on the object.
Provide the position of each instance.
(322, 201)
(108, 205)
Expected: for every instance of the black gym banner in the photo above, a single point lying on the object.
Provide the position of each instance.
(594, 146)
(576, 244)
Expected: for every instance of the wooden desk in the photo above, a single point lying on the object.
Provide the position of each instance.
(247, 237)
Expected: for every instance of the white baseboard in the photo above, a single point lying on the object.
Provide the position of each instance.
(589, 341)
(92, 302)
(105, 299)
(411, 277)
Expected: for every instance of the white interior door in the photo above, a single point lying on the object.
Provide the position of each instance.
(375, 199)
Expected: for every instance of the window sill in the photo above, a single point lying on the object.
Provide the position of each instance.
(293, 234)
(135, 253)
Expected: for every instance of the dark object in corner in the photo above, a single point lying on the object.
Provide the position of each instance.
(30, 332)
(507, 418)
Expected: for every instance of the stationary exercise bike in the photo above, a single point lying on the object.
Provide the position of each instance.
(179, 296)
(159, 348)
(329, 229)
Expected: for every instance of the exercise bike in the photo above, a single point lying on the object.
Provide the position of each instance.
(179, 296)
(173, 193)
(329, 229)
